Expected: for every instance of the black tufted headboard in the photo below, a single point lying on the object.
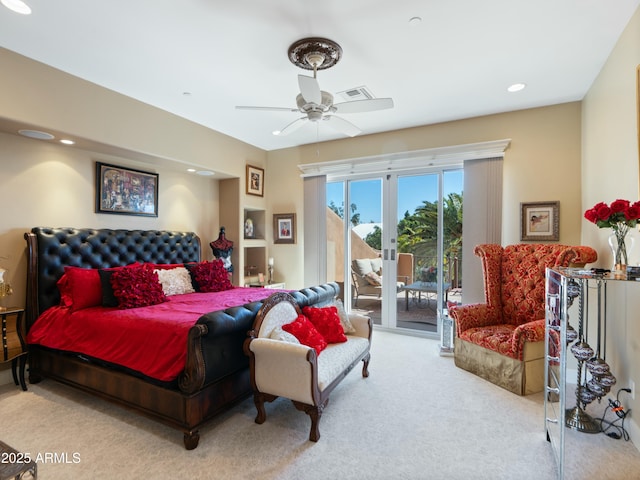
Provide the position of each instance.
(49, 250)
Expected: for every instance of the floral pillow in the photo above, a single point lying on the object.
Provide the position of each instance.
(137, 287)
(175, 281)
(327, 323)
(108, 297)
(209, 276)
(306, 333)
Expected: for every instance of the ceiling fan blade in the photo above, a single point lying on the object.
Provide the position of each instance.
(310, 89)
(271, 109)
(342, 125)
(293, 126)
(369, 105)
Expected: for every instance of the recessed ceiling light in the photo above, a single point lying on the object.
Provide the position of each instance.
(66, 141)
(17, 6)
(205, 173)
(276, 132)
(415, 21)
(516, 87)
(191, 170)
(36, 134)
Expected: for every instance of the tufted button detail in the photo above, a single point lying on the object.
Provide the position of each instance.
(103, 248)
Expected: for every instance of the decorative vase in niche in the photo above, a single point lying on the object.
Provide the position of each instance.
(621, 244)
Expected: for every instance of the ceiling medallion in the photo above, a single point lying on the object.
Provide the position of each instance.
(315, 53)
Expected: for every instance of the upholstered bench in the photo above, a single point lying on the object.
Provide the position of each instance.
(282, 366)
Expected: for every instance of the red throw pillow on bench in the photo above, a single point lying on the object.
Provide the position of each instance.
(306, 333)
(327, 322)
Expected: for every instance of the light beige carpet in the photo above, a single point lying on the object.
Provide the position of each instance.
(416, 417)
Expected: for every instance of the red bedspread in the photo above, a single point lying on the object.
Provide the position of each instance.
(151, 340)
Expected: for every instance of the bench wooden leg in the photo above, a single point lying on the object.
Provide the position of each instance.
(314, 412)
(365, 365)
(259, 399)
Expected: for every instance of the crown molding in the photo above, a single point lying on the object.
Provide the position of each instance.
(438, 156)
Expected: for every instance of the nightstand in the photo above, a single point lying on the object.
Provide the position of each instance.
(13, 345)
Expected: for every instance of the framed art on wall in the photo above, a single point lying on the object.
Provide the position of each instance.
(540, 221)
(284, 227)
(126, 191)
(255, 181)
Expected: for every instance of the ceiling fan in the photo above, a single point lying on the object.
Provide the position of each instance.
(316, 104)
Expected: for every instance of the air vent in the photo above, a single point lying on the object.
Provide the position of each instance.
(357, 93)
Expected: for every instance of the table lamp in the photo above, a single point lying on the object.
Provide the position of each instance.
(5, 288)
(270, 263)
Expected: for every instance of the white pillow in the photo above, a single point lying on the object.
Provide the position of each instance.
(175, 281)
(279, 334)
(347, 326)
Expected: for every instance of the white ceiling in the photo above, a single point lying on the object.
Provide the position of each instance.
(456, 63)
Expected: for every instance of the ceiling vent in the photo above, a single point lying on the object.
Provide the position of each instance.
(357, 93)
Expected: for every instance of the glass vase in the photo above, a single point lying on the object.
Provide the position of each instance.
(620, 244)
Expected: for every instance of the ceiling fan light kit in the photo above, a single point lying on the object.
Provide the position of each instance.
(315, 54)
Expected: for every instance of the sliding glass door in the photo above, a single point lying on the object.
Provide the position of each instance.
(386, 232)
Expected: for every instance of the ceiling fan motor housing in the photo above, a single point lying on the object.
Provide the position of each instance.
(315, 110)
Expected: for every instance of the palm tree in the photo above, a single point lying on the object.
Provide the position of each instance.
(418, 232)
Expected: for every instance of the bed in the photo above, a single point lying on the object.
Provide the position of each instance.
(213, 372)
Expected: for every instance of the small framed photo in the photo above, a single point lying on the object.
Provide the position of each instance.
(540, 221)
(126, 191)
(255, 181)
(284, 227)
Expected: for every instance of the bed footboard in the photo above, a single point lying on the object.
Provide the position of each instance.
(192, 378)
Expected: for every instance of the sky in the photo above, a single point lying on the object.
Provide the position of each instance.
(412, 191)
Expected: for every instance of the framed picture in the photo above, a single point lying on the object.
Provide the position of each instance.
(284, 227)
(255, 181)
(126, 191)
(540, 221)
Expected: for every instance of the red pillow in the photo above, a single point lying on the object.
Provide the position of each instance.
(137, 287)
(80, 288)
(209, 276)
(327, 322)
(108, 297)
(305, 332)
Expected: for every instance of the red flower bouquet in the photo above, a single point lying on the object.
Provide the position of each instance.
(620, 216)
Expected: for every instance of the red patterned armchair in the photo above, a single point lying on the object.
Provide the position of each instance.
(502, 340)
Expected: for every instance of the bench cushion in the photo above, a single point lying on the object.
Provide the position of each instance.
(337, 357)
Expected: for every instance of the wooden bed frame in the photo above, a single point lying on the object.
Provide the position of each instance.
(185, 407)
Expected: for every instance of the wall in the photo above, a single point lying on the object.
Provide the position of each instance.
(610, 171)
(46, 184)
(542, 163)
(52, 100)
